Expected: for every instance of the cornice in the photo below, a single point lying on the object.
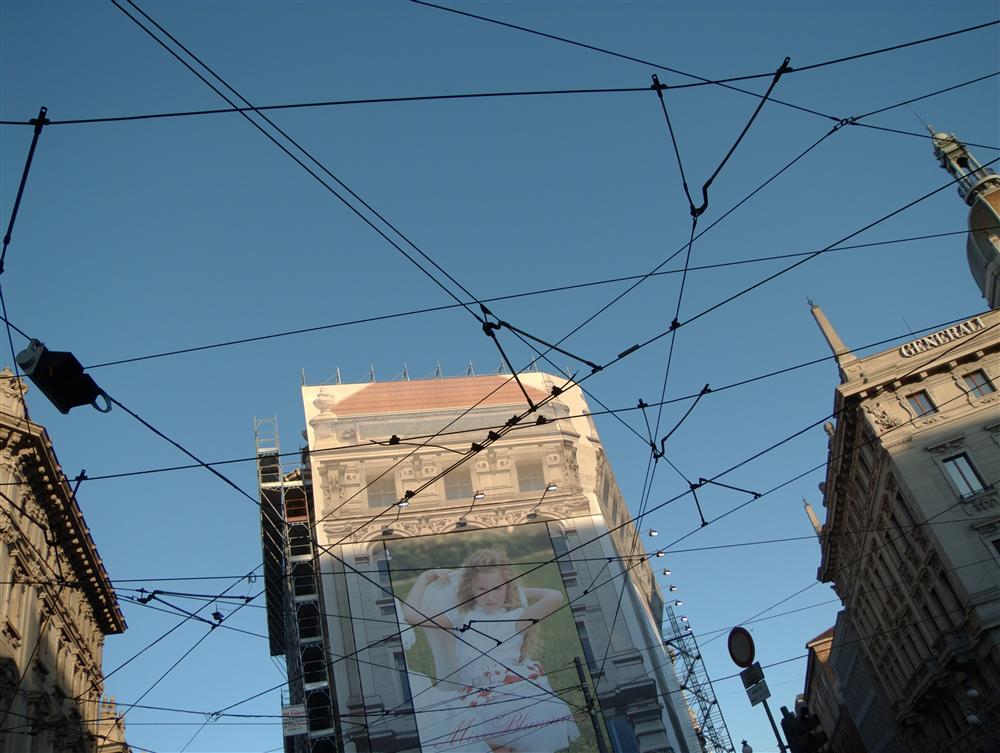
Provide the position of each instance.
(35, 463)
(430, 522)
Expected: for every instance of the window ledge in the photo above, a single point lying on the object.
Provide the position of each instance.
(12, 634)
(981, 502)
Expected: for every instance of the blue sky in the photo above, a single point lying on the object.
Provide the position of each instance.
(146, 236)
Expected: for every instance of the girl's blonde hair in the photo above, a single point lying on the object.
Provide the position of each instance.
(495, 561)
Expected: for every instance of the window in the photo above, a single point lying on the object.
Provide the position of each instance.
(978, 383)
(458, 483)
(963, 476)
(588, 651)
(921, 403)
(530, 476)
(383, 570)
(561, 548)
(622, 734)
(401, 677)
(382, 488)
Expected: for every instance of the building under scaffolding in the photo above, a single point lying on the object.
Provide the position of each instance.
(362, 573)
(294, 604)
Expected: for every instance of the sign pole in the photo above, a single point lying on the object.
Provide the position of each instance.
(588, 699)
(777, 735)
(742, 651)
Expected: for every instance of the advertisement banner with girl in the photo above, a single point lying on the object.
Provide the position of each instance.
(489, 643)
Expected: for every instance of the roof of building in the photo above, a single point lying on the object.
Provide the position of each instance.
(825, 635)
(434, 394)
(31, 451)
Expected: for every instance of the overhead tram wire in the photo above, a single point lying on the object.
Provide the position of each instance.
(194, 615)
(510, 296)
(635, 521)
(38, 124)
(639, 346)
(596, 413)
(702, 81)
(337, 103)
(480, 95)
(911, 100)
(215, 598)
(196, 644)
(700, 634)
(867, 554)
(802, 154)
(569, 603)
(657, 645)
(779, 273)
(696, 212)
(834, 129)
(914, 526)
(168, 632)
(306, 153)
(298, 161)
(557, 557)
(733, 676)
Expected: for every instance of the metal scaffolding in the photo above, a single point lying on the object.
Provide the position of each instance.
(696, 686)
(294, 605)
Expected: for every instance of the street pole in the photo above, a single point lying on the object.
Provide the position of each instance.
(591, 707)
(777, 735)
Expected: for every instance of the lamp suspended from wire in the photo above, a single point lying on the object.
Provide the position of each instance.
(533, 512)
(477, 495)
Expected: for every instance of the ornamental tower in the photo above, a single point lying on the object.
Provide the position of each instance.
(979, 186)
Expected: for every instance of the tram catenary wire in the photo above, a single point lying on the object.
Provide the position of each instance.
(671, 500)
(634, 348)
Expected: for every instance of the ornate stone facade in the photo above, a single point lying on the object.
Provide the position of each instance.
(371, 445)
(911, 542)
(56, 602)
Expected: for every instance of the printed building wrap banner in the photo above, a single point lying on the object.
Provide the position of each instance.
(489, 654)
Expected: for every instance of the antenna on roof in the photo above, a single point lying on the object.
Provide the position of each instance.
(501, 369)
(923, 122)
(406, 372)
(303, 376)
(338, 375)
(371, 372)
(471, 371)
(437, 371)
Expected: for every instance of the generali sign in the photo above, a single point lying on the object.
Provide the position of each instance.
(943, 337)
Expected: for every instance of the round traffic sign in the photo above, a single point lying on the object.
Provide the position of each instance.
(741, 647)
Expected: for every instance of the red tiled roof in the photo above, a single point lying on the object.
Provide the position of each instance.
(432, 394)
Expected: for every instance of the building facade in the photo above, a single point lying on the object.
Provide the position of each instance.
(463, 561)
(823, 697)
(56, 602)
(911, 541)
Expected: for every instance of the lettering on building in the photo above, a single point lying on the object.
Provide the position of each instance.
(943, 337)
